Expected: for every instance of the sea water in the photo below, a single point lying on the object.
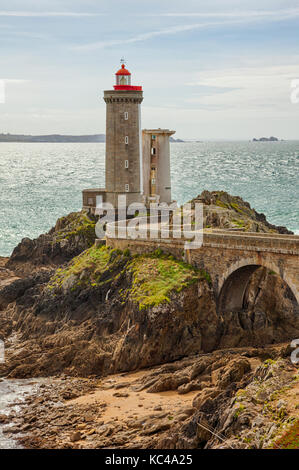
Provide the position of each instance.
(40, 182)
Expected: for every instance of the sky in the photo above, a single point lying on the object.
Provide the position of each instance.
(221, 69)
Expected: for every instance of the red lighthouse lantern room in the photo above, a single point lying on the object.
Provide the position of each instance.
(123, 80)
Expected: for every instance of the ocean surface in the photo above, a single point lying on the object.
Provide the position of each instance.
(40, 182)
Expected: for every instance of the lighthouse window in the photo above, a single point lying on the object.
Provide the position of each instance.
(126, 188)
(153, 180)
(153, 137)
(126, 115)
(153, 151)
(126, 139)
(126, 163)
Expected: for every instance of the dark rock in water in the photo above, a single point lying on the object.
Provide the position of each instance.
(266, 139)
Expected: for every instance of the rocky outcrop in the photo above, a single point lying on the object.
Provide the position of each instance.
(70, 236)
(82, 327)
(211, 378)
(107, 311)
(17, 288)
(223, 211)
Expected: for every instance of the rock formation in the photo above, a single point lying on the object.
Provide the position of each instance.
(226, 212)
(70, 236)
(71, 309)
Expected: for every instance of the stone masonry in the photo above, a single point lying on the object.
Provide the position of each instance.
(120, 126)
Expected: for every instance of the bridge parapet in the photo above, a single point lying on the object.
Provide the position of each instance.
(151, 230)
(253, 242)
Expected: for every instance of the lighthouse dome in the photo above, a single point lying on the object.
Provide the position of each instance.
(123, 80)
(123, 71)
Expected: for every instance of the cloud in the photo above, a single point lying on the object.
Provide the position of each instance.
(250, 90)
(24, 34)
(13, 80)
(235, 19)
(289, 12)
(40, 14)
(139, 37)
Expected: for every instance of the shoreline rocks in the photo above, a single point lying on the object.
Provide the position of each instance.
(79, 314)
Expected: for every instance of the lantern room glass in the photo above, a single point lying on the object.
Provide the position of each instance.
(123, 80)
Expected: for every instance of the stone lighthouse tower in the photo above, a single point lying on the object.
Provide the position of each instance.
(123, 139)
(124, 175)
(136, 166)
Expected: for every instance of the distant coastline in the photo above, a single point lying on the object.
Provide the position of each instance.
(52, 138)
(59, 138)
(171, 139)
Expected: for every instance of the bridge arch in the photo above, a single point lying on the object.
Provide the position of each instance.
(233, 284)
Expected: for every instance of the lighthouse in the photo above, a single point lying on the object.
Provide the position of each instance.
(137, 164)
(123, 139)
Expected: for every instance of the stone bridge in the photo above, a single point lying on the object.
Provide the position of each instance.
(229, 258)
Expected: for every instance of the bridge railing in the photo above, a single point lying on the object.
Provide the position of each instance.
(254, 234)
(152, 229)
(252, 242)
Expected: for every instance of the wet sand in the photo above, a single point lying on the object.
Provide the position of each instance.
(134, 403)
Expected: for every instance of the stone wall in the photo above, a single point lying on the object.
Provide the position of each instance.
(89, 198)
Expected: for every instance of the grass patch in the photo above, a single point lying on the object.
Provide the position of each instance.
(93, 262)
(149, 279)
(239, 410)
(219, 203)
(239, 222)
(236, 207)
(156, 276)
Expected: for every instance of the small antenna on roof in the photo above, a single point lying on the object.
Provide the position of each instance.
(122, 60)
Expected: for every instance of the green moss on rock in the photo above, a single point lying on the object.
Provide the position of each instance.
(85, 269)
(151, 278)
(156, 276)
